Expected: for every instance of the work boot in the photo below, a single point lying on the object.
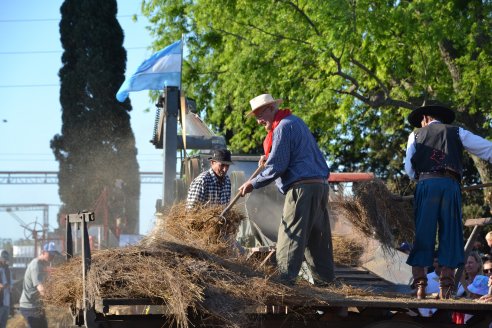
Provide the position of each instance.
(446, 283)
(421, 284)
(419, 281)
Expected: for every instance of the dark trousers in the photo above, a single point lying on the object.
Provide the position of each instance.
(305, 233)
(35, 317)
(437, 204)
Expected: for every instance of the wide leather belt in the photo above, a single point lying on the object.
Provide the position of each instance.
(309, 181)
(438, 174)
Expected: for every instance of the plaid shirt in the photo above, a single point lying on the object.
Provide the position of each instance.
(207, 188)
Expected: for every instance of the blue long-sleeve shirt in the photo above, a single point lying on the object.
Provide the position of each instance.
(295, 156)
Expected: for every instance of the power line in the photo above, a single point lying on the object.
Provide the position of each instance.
(51, 177)
(32, 52)
(29, 85)
(28, 20)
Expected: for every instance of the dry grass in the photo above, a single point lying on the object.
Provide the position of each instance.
(189, 262)
(203, 227)
(375, 212)
(347, 251)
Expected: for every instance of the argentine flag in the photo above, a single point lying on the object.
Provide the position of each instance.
(162, 69)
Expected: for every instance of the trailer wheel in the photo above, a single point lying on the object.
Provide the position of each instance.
(394, 323)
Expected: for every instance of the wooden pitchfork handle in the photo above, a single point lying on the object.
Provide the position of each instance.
(238, 195)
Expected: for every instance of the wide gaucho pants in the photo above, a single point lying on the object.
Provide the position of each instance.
(437, 203)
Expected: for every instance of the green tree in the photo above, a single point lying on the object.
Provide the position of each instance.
(96, 148)
(353, 70)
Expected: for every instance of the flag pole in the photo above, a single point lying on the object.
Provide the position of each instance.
(182, 101)
(181, 69)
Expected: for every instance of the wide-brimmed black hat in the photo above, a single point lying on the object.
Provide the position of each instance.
(445, 115)
(221, 155)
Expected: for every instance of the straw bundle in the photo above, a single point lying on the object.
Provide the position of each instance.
(202, 227)
(375, 212)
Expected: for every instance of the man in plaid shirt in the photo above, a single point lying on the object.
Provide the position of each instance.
(212, 186)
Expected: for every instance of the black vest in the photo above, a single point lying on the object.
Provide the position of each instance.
(438, 148)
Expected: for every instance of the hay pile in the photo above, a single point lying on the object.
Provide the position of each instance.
(203, 228)
(191, 264)
(346, 251)
(188, 262)
(375, 212)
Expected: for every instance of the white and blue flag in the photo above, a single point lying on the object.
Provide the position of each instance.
(162, 69)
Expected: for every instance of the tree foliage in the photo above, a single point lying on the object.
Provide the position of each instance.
(353, 70)
(96, 148)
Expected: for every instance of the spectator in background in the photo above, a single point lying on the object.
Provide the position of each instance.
(477, 289)
(487, 270)
(488, 239)
(5, 288)
(31, 306)
(473, 268)
(212, 187)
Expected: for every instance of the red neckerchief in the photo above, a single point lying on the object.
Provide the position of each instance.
(267, 143)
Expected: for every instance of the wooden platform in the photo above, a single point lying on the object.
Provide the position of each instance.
(364, 279)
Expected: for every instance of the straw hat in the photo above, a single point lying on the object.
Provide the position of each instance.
(262, 100)
(445, 115)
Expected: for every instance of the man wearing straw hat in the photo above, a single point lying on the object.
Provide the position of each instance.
(296, 164)
(434, 158)
(212, 186)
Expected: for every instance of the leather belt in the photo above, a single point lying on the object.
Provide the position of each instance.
(309, 181)
(439, 174)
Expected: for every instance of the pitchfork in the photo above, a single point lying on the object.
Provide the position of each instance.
(238, 195)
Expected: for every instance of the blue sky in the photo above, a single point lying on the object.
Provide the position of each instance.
(30, 111)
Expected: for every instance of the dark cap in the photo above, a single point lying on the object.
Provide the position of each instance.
(221, 155)
(445, 115)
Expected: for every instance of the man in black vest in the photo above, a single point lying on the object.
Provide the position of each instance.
(434, 158)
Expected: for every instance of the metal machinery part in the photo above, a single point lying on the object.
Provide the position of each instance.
(393, 324)
(82, 312)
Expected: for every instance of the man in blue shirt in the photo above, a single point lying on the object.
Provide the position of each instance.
(296, 164)
(434, 158)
